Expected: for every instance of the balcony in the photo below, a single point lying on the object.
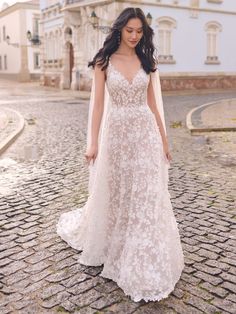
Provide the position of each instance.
(68, 2)
(212, 60)
(166, 59)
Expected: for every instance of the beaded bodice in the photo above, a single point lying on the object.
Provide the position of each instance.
(124, 93)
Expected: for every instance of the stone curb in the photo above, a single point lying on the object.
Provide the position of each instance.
(197, 110)
(4, 144)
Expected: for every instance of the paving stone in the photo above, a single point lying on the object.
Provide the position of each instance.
(37, 267)
(51, 290)
(59, 276)
(107, 300)
(208, 254)
(67, 306)
(26, 238)
(30, 244)
(200, 304)
(84, 286)
(65, 263)
(5, 261)
(180, 307)
(218, 264)
(86, 298)
(226, 305)
(13, 267)
(228, 277)
(218, 291)
(207, 269)
(229, 286)
(8, 253)
(75, 279)
(55, 300)
(37, 257)
(107, 287)
(208, 278)
(16, 277)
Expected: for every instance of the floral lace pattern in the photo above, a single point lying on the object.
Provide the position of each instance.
(127, 223)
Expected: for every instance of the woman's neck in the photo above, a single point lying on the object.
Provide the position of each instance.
(125, 50)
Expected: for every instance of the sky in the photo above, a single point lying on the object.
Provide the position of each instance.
(10, 2)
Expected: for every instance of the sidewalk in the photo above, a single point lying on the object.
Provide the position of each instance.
(11, 125)
(215, 116)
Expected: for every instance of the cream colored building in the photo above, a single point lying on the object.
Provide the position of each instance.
(20, 57)
(193, 37)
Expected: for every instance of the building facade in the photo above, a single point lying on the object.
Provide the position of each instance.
(193, 39)
(20, 58)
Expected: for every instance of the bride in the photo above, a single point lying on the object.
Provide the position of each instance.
(127, 224)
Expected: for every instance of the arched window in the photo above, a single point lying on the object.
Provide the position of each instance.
(212, 31)
(165, 26)
(56, 45)
(4, 33)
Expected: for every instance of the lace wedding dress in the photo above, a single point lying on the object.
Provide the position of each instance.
(127, 223)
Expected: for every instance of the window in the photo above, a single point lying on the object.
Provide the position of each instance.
(36, 26)
(212, 31)
(4, 33)
(36, 60)
(164, 41)
(5, 62)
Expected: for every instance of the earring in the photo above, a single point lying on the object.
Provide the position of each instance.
(118, 38)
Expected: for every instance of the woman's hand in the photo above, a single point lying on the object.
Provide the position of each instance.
(91, 153)
(166, 151)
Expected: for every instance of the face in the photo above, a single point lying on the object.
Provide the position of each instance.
(132, 32)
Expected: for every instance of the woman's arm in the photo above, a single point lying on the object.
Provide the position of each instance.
(98, 108)
(153, 106)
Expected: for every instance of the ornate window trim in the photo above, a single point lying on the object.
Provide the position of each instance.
(212, 29)
(165, 26)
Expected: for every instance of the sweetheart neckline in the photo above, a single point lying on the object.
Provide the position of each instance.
(132, 81)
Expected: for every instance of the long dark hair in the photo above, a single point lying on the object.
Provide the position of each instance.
(144, 49)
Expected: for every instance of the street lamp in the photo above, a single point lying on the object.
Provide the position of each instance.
(93, 19)
(9, 43)
(33, 39)
(8, 40)
(149, 19)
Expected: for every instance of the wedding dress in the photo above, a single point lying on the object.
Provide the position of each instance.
(127, 223)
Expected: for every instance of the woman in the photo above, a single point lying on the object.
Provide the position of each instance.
(127, 223)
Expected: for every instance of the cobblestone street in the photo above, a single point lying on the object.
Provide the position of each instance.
(43, 173)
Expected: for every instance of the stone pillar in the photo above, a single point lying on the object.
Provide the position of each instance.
(65, 75)
(76, 69)
(42, 50)
(24, 74)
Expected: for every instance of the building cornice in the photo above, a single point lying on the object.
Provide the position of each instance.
(19, 6)
(52, 7)
(94, 3)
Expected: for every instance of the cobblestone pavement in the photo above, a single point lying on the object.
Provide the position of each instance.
(44, 174)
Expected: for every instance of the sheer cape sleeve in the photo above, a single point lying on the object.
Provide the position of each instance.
(155, 77)
(92, 167)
